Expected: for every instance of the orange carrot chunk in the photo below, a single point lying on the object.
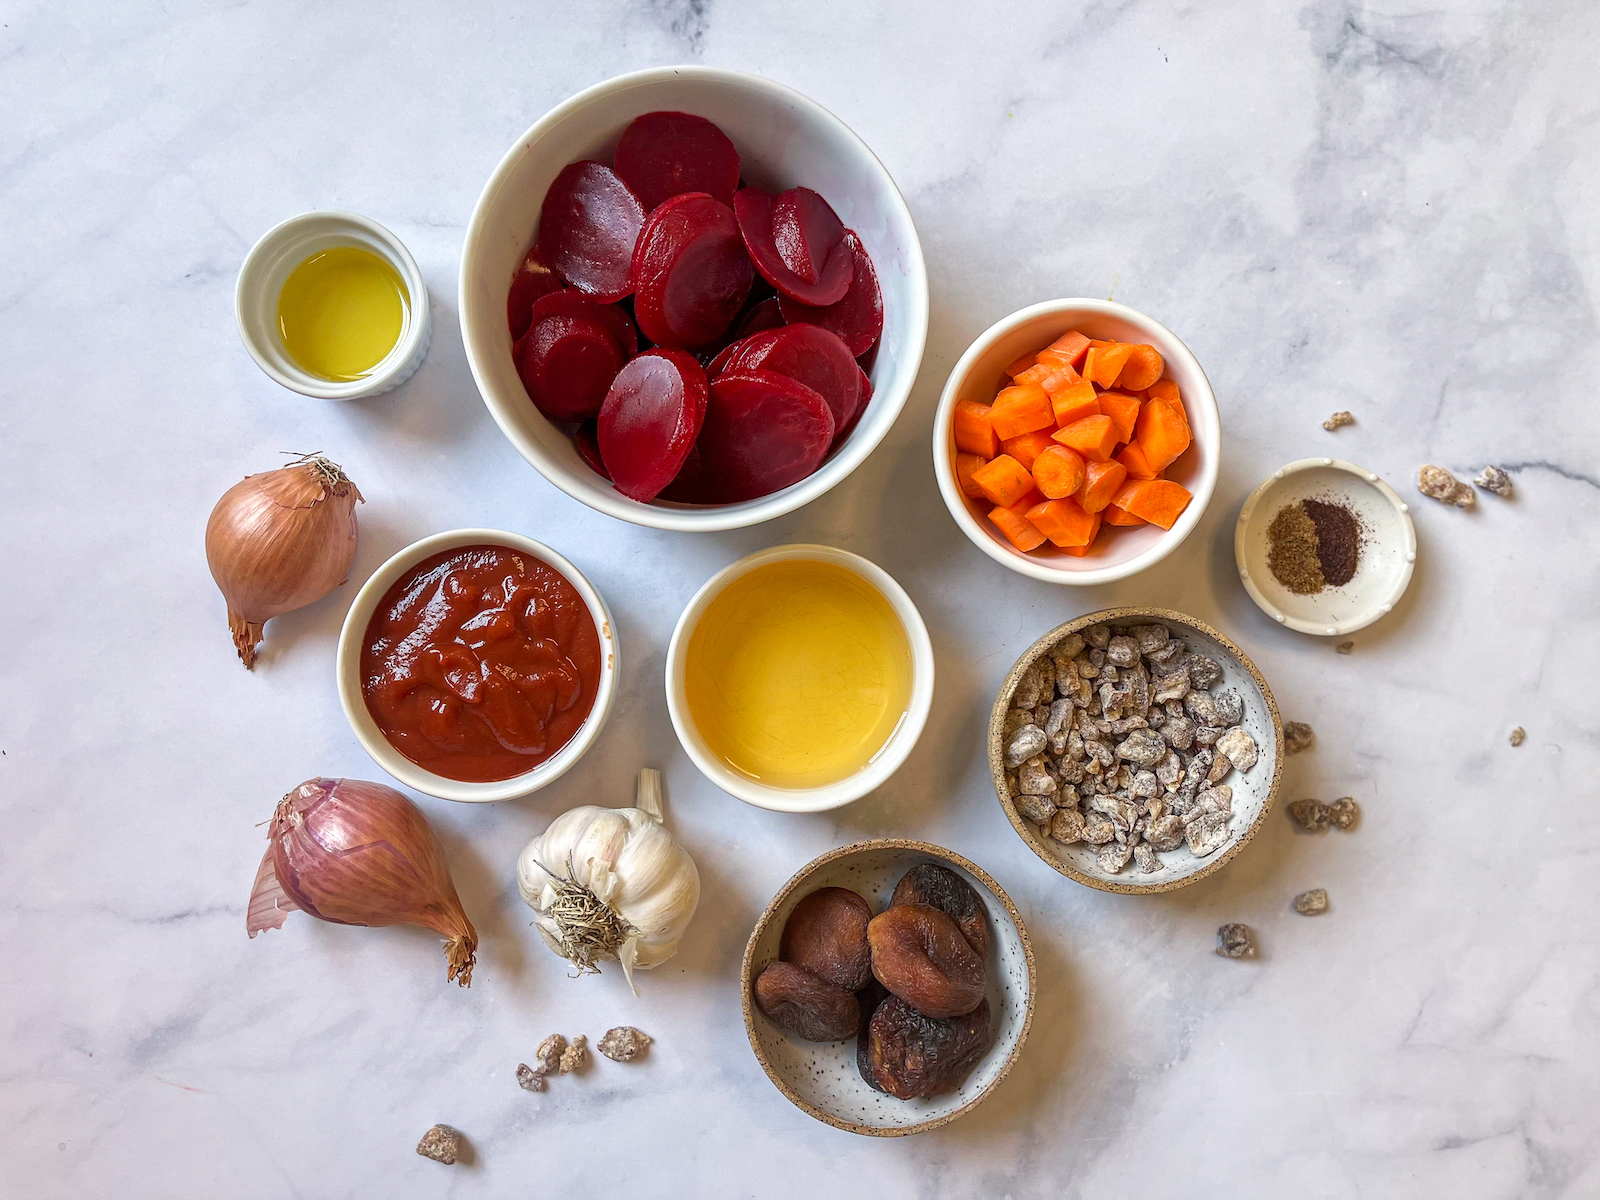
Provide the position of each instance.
(1167, 391)
(1021, 365)
(1037, 373)
(1159, 501)
(1121, 516)
(1058, 472)
(1123, 411)
(1003, 481)
(1018, 530)
(1144, 367)
(1101, 481)
(1161, 434)
(1027, 447)
(1104, 363)
(1070, 348)
(1083, 551)
(1022, 409)
(1064, 522)
(966, 464)
(973, 431)
(1092, 437)
(1074, 402)
(1133, 458)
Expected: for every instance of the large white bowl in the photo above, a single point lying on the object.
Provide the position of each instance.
(888, 759)
(977, 377)
(352, 639)
(784, 140)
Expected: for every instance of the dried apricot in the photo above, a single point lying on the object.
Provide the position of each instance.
(920, 956)
(871, 998)
(808, 1007)
(929, 883)
(826, 934)
(911, 1054)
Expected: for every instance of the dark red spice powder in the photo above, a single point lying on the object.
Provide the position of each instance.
(1338, 540)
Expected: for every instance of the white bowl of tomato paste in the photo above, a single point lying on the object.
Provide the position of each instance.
(784, 142)
(477, 665)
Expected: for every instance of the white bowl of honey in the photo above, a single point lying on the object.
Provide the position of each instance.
(332, 305)
(799, 678)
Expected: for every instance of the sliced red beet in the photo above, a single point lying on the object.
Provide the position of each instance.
(869, 359)
(587, 229)
(807, 232)
(567, 365)
(763, 431)
(650, 419)
(809, 354)
(766, 315)
(664, 154)
(691, 485)
(573, 303)
(849, 426)
(753, 208)
(529, 281)
(858, 317)
(588, 443)
(691, 273)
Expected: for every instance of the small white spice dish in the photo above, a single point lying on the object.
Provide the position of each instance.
(822, 1079)
(353, 637)
(1388, 547)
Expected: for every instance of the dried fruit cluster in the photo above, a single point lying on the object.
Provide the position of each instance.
(1116, 738)
(908, 984)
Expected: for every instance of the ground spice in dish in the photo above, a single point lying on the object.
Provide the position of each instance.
(1292, 551)
(1338, 540)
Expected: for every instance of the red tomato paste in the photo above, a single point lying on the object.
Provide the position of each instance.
(480, 663)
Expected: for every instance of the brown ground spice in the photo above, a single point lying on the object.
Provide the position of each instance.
(1338, 540)
(1292, 551)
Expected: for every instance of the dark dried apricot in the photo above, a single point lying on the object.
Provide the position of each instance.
(870, 998)
(920, 955)
(808, 1007)
(911, 1054)
(929, 883)
(826, 934)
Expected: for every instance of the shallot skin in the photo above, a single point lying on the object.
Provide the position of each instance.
(358, 853)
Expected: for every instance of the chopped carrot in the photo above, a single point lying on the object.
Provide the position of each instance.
(1019, 531)
(1166, 390)
(1063, 522)
(1101, 481)
(1123, 411)
(1074, 402)
(1161, 434)
(1121, 516)
(1026, 447)
(1133, 458)
(1159, 501)
(1086, 550)
(973, 431)
(1070, 347)
(1019, 410)
(1144, 367)
(1104, 363)
(1058, 471)
(966, 464)
(1037, 373)
(1004, 481)
(1021, 365)
(1092, 437)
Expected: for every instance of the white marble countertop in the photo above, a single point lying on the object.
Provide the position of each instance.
(1338, 208)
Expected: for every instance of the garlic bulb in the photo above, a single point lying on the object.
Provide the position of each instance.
(611, 883)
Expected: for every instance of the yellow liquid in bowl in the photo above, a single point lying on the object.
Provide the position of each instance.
(797, 674)
(341, 311)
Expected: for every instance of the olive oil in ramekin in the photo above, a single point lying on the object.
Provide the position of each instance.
(341, 311)
(798, 673)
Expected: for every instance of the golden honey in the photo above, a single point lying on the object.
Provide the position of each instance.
(341, 311)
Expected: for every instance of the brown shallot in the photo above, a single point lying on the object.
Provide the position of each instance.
(280, 540)
(358, 853)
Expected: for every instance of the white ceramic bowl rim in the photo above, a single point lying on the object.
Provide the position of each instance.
(1042, 569)
(352, 638)
(888, 759)
(258, 272)
(601, 496)
(1379, 604)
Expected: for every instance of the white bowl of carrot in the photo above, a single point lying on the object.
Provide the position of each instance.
(1077, 441)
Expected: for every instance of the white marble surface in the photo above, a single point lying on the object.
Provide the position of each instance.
(1389, 210)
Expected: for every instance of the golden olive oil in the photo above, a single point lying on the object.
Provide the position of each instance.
(341, 312)
(798, 673)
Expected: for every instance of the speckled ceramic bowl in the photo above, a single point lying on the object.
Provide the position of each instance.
(1253, 791)
(821, 1078)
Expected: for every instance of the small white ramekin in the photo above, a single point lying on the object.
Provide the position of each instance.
(352, 639)
(283, 248)
(977, 377)
(888, 759)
